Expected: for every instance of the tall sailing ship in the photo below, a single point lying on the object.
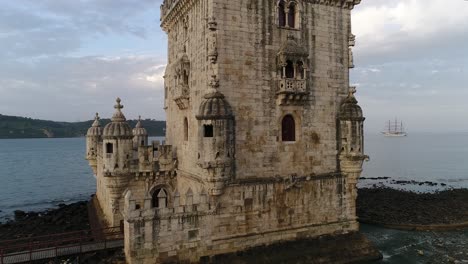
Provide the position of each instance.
(394, 129)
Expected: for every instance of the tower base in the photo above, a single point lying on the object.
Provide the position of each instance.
(348, 248)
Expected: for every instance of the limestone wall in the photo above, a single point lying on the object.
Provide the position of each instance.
(249, 214)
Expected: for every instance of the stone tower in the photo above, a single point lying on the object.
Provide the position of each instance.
(264, 135)
(117, 153)
(270, 74)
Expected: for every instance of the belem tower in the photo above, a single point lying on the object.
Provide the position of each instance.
(264, 139)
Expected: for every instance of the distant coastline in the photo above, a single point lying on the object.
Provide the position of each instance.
(15, 127)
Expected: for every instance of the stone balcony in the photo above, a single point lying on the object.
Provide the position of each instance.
(181, 96)
(292, 92)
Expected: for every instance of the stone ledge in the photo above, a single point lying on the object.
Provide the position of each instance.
(348, 248)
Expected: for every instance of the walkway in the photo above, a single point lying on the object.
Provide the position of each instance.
(59, 245)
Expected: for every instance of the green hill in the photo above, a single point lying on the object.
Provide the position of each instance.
(22, 127)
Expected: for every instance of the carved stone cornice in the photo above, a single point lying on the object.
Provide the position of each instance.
(347, 4)
(172, 10)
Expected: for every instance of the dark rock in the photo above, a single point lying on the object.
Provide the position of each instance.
(19, 215)
(391, 206)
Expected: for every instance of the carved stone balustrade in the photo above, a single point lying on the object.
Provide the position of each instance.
(292, 92)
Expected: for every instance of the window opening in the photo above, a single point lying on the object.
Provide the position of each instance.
(109, 148)
(288, 129)
(281, 14)
(185, 129)
(292, 15)
(186, 78)
(300, 69)
(289, 69)
(160, 198)
(208, 131)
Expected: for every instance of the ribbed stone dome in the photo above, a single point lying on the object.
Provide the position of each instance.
(350, 109)
(118, 128)
(214, 106)
(292, 48)
(139, 130)
(95, 130)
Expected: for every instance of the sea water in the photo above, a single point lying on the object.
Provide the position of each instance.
(437, 158)
(36, 174)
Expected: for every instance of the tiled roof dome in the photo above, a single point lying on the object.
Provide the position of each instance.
(349, 108)
(95, 129)
(139, 130)
(119, 127)
(214, 106)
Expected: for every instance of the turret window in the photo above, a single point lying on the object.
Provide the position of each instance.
(208, 131)
(109, 148)
(288, 129)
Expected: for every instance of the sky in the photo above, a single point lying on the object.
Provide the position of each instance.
(65, 60)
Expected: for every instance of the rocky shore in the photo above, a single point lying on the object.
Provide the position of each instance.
(390, 207)
(66, 218)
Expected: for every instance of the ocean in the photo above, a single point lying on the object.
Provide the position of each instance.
(36, 174)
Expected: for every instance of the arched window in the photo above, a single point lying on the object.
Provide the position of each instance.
(159, 198)
(292, 15)
(289, 69)
(281, 14)
(300, 70)
(109, 148)
(288, 129)
(185, 129)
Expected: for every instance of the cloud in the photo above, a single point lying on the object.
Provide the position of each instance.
(50, 27)
(410, 29)
(60, 87)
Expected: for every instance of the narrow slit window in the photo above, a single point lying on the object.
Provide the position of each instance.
(185, 129)
(208, 131)
(109, 148)
(288, 129)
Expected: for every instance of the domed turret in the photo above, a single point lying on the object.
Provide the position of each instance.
(351, 131)
(118, 128)
(117, 142)
(216, 145)
(214, 107)
(92, 140)
(350, 109)
(95, 129)
(140, 135)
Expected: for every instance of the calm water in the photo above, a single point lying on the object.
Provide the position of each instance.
(439, 158)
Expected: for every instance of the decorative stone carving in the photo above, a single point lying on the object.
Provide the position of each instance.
(182, 88)
(292, 84)
(351, 43)
(212, 24)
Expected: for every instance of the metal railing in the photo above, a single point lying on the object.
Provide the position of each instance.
(57, 245)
